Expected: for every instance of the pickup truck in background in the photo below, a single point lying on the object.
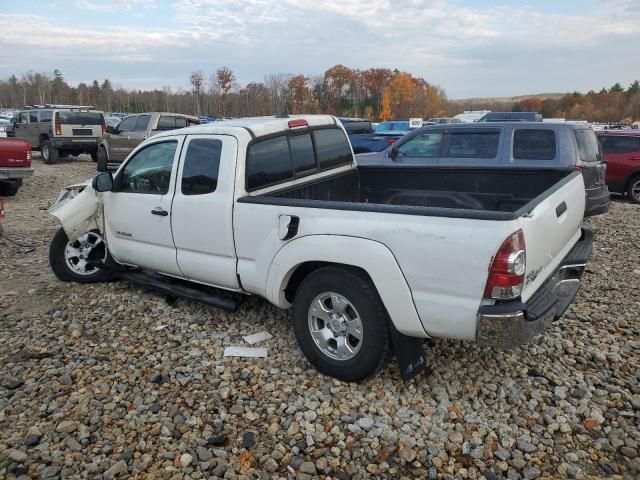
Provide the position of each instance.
(365, 138)
(15, 164)
(119, 141)
(508, 144)
(369, 258)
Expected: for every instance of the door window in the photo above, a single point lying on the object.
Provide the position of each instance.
(534, 144)
(166, 123)
(588, 147)
(149, 171)
(473, 145)
(201, 165)
(23, 118)
(128, 124)
(426, 145)
(142, 123)
(33, 117)
(45, 116)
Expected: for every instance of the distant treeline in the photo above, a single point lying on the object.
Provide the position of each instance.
(372, 93)
(376, 93)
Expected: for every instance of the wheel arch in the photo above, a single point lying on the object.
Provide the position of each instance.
(630, 178)
(298, 258)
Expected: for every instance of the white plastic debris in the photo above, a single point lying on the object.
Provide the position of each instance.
(161, 327)
(257, 337)
(251, 352)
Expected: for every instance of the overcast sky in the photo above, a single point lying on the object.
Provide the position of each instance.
(472, 48)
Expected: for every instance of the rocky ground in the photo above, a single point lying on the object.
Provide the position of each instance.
(106, 380)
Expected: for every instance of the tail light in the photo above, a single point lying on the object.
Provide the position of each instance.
(57, 125)
(27, 151)
(391, 141)
(104, 129)
(506, 275)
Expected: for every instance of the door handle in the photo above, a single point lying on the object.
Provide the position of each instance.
(159, 211)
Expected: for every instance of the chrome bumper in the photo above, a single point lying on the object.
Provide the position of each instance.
(19, 172)
(510, 324)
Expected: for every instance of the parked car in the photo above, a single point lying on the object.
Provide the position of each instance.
(15, 164)
(276, 207)
(119, 141)
(622, 154)
(5, 124)
(531, 145)
(442, 120)
(511, 117)
(381, 135)
(59, 130)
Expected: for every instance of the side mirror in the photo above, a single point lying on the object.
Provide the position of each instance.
(103, 182)
(393, 153)
(111, 129)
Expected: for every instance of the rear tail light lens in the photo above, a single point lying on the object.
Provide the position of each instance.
(391, 141)
(58, 129)
(506, 275)
(27, 152)
(298, 123)
(104, 129)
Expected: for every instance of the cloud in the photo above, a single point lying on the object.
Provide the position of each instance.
(503, 49)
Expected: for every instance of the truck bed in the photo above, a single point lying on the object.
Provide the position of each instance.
(467, 192)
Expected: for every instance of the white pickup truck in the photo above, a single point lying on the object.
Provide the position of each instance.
(372, 259)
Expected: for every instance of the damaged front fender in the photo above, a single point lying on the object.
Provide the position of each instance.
(78, 209)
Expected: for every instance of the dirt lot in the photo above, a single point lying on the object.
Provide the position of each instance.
(106, 380)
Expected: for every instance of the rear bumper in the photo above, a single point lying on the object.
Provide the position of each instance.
(510, 324)
(597, 201)
(11, 173)
(76, 144)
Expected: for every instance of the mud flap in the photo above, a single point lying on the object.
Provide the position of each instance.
(409, 353)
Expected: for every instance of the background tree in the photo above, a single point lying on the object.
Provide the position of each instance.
(197, 80)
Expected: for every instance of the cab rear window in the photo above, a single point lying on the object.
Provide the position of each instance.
(534, 144)
(295, 154)
(79, 118)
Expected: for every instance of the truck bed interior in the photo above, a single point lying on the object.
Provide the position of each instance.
(480, 192)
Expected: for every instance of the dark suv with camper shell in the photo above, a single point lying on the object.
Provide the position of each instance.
(517, 144)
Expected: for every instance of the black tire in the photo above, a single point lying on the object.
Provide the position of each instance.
(375, 345)
(64, 272)
(50, 154)
(102, 159)
(633, 189)
(9, 189)
(94, 156)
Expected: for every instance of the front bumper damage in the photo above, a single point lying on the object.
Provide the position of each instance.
(509, 324)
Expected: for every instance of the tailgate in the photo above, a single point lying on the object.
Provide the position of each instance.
(551, 229)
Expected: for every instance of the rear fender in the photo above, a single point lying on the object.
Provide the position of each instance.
(78, 209)
(371, 256)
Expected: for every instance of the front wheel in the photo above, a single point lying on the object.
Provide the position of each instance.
(102, 160)
(633, 190)
(83, 260)
(341, 324)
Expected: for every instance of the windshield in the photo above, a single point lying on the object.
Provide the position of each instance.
(397, 126)
(79, 118)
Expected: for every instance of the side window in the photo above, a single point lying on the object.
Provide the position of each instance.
(166, 123)
(332, 147)
(45, 116)
(302, 153)
(201, 165)
(23, 118)
(426, 145)
(473, 145)
(268, 162)
(33, 117)
(181, 122)
(149, 171)
(588, 147)
(620, 144)
(142, 123)
(534, 145)
(128, 124)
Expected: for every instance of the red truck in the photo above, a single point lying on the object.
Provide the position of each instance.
(622, 153)
(15, 164)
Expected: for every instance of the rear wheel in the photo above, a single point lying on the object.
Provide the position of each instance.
(341, 324)
(50, 154)
(633, 190)
(9, 189)
(83, 260)
(103, 160)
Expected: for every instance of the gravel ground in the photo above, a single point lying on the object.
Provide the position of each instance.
(106, 380)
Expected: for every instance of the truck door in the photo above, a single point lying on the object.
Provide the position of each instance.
(22, 126)
(139, 133)
(202, 210)
(118, 148)
(138, 210)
